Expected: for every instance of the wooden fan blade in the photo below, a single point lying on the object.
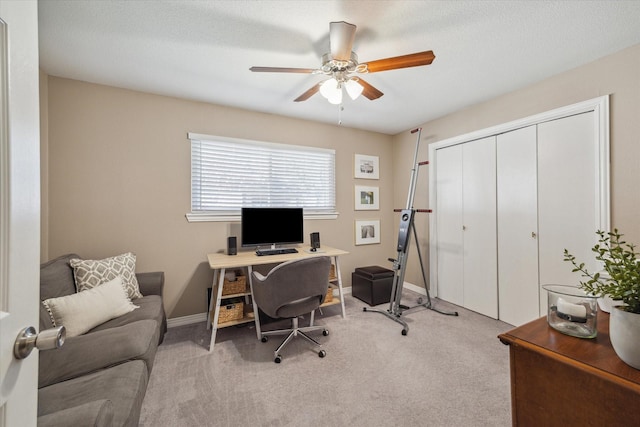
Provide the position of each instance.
(308, 94)
(341, 37)
(369, 91)
(281, 70)
(404, 61)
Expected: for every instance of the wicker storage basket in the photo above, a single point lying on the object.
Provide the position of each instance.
(332, 273)
(231, 311)
(329, 296)
(237, 286)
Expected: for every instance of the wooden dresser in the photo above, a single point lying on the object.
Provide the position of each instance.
(559, 380)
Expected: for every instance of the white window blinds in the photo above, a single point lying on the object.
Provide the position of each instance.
(227, 174)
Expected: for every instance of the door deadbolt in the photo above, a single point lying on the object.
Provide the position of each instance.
(48, 339)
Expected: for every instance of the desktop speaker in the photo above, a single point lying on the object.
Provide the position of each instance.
(232, 245)
(315, 241)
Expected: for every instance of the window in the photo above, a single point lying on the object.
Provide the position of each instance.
(227, 174)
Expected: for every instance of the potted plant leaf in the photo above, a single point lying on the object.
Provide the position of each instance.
(621, 283)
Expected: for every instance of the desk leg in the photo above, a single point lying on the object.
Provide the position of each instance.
(218, 297)
(212, 300)
(256, 313)
(339, 276)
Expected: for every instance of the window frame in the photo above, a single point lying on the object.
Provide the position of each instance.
(233, 215)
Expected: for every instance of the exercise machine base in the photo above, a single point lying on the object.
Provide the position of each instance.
(396, 316)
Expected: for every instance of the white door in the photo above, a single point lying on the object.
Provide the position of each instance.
(449, 224)
(517, 200)
(19, 208)
(479, 226)
(568, 197)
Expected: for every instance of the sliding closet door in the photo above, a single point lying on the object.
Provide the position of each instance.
(568, 197)
(518, 287)
(479, 226)
(449, 244)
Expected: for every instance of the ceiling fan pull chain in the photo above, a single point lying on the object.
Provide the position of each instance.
(340, 108)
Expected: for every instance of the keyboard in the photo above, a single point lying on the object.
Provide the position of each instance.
(262, 252)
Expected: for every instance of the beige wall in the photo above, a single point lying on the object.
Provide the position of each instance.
(118, 179)
(617, 75)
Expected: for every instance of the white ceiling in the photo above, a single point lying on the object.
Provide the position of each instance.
(202, 50)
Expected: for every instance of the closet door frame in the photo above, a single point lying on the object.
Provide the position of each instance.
(600, 106)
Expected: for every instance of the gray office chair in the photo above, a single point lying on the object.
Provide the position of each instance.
(290, 290)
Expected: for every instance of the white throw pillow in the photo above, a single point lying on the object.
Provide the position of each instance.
(89, 273)
(85, 310)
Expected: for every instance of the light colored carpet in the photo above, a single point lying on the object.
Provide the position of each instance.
(448, 371)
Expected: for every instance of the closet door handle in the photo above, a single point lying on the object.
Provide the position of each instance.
(464, 227)
(533, 234)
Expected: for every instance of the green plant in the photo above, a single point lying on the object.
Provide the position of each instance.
(621, 264)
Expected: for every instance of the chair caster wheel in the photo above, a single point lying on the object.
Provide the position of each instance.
(420, 300)
(264, 339)
(364, 308)
(278, 359)
(325, 332)
(322, 353)
(404, 332)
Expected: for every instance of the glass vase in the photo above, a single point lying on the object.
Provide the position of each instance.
(572, 311)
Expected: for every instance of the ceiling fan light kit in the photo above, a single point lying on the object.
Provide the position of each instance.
(353, 88)
(332, 91)
(340, 62)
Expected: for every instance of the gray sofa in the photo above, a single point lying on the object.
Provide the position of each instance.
(99, 378)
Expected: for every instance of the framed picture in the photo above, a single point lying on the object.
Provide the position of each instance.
(367, 232)
(367, 198)
(367, 167)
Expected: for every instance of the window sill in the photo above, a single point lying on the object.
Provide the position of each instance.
(210, 217)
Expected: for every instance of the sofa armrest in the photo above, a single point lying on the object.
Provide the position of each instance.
(151, 283)
(97, 350)
(98, 413)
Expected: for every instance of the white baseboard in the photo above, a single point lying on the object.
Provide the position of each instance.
(414, 288)
(202, 317)
(187, 320)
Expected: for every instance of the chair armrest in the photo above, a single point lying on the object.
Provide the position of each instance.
(98, 413)
(97, 350)
(151, 283)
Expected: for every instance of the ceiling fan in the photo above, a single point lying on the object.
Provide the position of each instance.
(341, 63)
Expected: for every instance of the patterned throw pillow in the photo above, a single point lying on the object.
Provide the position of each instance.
(91, 273)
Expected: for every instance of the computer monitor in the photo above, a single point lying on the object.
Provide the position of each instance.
(272, 226)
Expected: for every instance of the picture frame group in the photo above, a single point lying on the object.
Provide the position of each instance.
(367, 198)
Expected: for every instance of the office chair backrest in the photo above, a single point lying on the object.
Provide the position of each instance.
(292, 288)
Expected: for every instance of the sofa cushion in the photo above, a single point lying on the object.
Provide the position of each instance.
(150, 307)
(83, 311)
(56, 280)
(90, 273)
(98, 350)
(98, 413)
(124, 385)
(56, 277)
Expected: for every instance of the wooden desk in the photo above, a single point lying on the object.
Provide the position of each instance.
(219, 263)
(559, 380)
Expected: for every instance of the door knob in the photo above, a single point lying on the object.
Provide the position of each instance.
(48, 339)
(533, 234)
